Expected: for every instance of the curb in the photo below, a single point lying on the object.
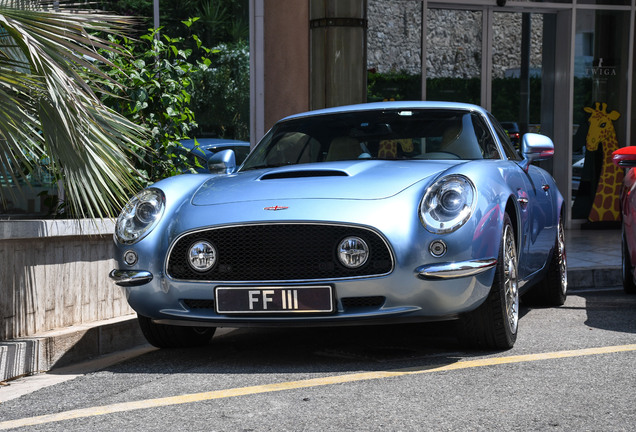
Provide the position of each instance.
(45, 351)
(601, 277)
(41, 353)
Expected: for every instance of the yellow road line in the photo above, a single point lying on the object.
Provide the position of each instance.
(315, 382)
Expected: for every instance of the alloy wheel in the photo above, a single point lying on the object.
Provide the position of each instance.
(511, 285)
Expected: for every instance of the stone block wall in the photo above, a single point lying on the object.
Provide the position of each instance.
(454, 40)
(393, 36)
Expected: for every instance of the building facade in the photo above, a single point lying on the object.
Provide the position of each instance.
(548, 66)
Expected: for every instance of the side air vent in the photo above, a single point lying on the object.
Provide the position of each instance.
(199, 304)
(304, 173)
(362, 302)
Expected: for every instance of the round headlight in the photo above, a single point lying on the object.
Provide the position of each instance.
(353, 252)
(447, 204)
(140, 215)
(202, 256)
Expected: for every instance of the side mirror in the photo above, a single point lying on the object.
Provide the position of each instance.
(536, 147)
(223, 162)
(625, 157)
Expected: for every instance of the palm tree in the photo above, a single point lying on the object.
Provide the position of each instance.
(49, 77)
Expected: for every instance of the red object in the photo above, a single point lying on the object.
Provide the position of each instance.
(625, 157)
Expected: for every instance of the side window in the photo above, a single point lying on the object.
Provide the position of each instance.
(509, 149)
(241, 153)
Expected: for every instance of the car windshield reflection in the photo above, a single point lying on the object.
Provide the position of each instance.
(383, 134)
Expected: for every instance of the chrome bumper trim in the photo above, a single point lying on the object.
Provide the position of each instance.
(455, 269)
(130, 277)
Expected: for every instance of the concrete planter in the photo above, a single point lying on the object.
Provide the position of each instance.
(54, 274)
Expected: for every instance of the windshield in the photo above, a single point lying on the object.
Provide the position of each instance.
(389, 135)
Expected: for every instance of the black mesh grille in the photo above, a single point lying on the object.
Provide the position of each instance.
(278, 252)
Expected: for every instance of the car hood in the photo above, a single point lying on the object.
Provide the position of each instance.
(364, 180)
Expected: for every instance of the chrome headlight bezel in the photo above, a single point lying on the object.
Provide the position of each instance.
(353, 252)
(202, 256)
(140, 215)
(448, 204)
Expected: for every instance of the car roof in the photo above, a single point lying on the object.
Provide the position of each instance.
(389, 105)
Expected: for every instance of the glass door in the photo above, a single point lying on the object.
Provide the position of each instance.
(503, 61)
(599, 114)
(520, 61)
(454, 55)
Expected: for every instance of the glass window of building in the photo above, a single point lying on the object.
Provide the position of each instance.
(394, 50)
(454, 55)
(600, 105)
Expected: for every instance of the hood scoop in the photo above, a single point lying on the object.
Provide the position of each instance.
(303, 174)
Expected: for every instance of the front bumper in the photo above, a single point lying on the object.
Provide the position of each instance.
(130, 277)
(455, 269)
(425, 293)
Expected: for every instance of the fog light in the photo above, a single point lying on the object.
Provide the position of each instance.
(130, 257)
(437, 248)
(353, 252)
(202, 256)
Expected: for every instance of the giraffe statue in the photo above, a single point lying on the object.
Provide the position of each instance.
(606, 205)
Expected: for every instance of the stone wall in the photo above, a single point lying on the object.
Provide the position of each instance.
(453, 40)
(394, 35)
(54, 274)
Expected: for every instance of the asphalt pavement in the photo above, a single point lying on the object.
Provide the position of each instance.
(594, 260)
(570, 370)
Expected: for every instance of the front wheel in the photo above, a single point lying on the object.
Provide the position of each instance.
(493, 325)
(169, 336)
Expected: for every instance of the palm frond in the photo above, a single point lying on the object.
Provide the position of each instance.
(55, 110)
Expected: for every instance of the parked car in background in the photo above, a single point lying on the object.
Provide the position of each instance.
(512, 128)
(373, 213)
(625, 157)
(201, 150)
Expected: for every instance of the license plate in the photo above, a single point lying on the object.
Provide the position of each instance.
(263, 300)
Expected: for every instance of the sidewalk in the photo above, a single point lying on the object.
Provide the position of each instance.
(594, 260)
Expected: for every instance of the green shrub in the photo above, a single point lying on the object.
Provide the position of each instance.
(159, 87)
(505, 93)
(221, 96)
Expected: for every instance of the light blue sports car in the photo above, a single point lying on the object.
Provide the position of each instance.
(367, 214)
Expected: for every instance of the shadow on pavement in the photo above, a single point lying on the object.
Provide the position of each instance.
(610, 310)
(301, 350)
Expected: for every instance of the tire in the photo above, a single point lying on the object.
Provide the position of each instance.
(553, 289)
(169, 336)
(493, 325)
(627, 269)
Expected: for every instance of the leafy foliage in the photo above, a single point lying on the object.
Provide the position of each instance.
(155, 92)
(49, 110)
(221, 95)
(166, 83)
(221, 21)
(393, 86)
